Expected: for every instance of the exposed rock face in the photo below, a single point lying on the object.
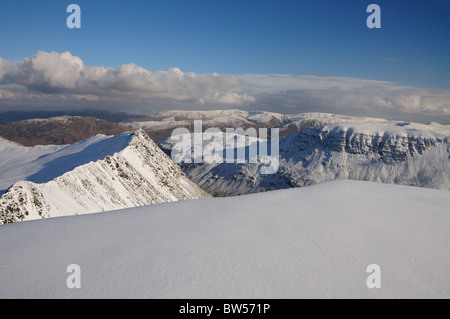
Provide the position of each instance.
(140, 174)
(368, 152)
(389, 145)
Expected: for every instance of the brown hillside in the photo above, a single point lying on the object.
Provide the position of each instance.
(58, 130)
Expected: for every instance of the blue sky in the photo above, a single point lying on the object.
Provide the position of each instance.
(242, 37)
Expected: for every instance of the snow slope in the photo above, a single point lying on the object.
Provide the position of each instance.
(359, 151)
(161, 124)
(18, 162)
(101, 173)
(219, 118)
(313, 242)
(303, 121)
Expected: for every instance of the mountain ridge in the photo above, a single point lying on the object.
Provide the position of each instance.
(367, 152)
(139, 174)
(59, 130)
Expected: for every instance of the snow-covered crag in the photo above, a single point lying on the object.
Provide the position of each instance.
(122, 171)
(161, 125)
(360, 151)
(302, 121)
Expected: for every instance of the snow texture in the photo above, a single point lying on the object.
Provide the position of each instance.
(367, 151)
(219, 118)
(98, 174)
(307, 120)
(313, 242)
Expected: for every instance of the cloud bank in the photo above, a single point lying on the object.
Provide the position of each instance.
(352, 96)
(61, 80)
(64, 74)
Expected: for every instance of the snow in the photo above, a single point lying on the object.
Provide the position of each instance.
(212, 118)
(62, 118)
(367, 151)
(384, 129)
(41, 164)
(98, 174)
(18, 162)
(338, 119)
(431, 127)
(165, 123)
(324, 119)
(221, 115)
(299, 243)
(231, 118)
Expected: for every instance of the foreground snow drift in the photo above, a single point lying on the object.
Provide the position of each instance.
(308, 242)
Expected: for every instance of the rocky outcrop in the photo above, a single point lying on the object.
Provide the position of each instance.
(140, 174)
(364, 151)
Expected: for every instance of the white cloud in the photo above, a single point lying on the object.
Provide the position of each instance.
(63, 80)
(63, 73)
(293, 82)
(6, 68)
(344, 95)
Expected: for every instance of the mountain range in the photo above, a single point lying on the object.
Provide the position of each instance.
(311, 242)
(158, 233)
(101, 173)
(109, 172)
(161, 125)
(57, 130)
(378, 151)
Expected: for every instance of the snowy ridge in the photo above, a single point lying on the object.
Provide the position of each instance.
(390, 142)
(227, 115)
(288, 124)
(62, 118)
(313, 242)
(222, 118)
(130, 170)
(42, 163)
(364, 151)
(18, 162)
(329, 117)
(308, 120)
(161, 125)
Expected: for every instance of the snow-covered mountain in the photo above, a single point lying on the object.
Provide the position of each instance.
(101, 173)
(313, 242)
(19, 163)
(220, 118)
(299, 122)
(360, 151)
(161, 125)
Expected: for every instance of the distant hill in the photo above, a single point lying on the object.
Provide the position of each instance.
(396, 153)
(115, 117)
(57, 130)
(160, 125)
